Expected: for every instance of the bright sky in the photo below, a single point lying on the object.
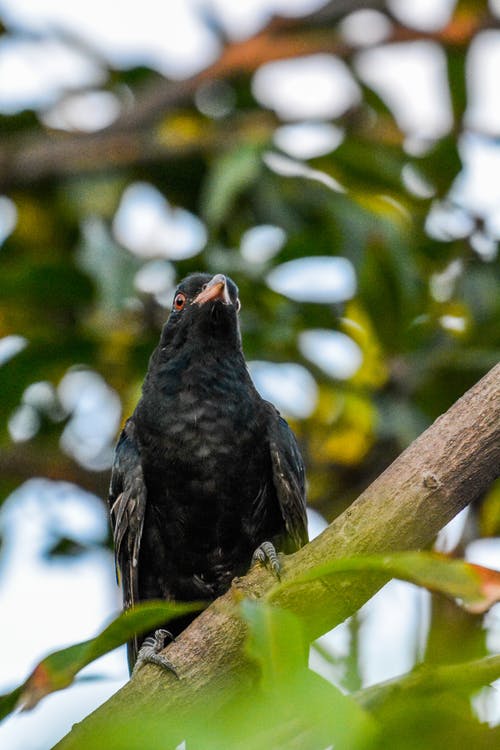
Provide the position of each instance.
(47, 605)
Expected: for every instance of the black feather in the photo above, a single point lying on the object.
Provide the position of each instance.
(205, 470)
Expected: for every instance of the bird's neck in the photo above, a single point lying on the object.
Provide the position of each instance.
(200, 371)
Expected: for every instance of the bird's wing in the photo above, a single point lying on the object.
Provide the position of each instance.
(289, 481)
(127, 507)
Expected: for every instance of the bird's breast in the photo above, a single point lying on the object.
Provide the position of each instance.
(201, 436)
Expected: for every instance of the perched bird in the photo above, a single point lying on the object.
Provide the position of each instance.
(207, 477)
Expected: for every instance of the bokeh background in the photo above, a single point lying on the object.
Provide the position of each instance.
(341, 162)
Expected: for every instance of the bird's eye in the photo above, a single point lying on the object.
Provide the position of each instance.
(238, 305)
(204, 287)
(179, 301)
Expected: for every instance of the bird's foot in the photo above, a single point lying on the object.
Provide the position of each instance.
(149, 652)
(266, 555)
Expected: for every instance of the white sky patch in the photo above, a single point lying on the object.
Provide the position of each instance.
(149, 226)
(321, 279)
(307, 140)
(450, 535)
(478, 187)
(411, 78)
(484, 552)
(487, 552)
(240, 20)
(484, 245)
(453, 323)
(53, 718)
(366, 27)
(416, 183)
(446, 221)
(155, 277)
(23, 423)
(35, 74)
(288, 167)
(394, 628)
(442, 285)
(41, 395)
(426, 15)
(334, 352)
(10, 346)
(261, 243)
(95, 410)
(316, 524)
(88, 112)
(337, 643)
(289, 386)
(315, 87)
(27, 521)
(169, 37)
(483, 74)
(8, 217)
(49, 604)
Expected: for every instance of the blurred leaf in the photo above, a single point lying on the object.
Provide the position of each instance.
(434, 722)
(15, 123)
(426, 680)
(441, 164)
(391, 291)
(457, 80)
(92, 196)
(477, 587)
(47, 285)
(311, 714)
(490, 511)
(180, 130)
(269, 629)
(112, 267)
(58, 670)
(361, 167)
(65, 547)
(373, 372)
(136, 76)
(295, 702)
(344, 426)
(231, 174)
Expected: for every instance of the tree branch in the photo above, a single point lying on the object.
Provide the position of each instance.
(429, 680)
(17, 465)
(447, 467)
(132, 139)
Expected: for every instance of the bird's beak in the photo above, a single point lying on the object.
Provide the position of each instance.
(215, 289)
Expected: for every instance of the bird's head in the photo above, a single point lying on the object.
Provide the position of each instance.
(205, 307)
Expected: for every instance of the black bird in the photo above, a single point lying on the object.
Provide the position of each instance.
(207, 476)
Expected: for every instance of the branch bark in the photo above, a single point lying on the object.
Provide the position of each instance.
(447, 467)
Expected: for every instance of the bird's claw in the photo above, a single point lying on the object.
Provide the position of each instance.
(266, 555)
(149, 652)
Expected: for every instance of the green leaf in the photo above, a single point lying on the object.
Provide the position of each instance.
(441, 164)
(59, 669)
(231, 174)
(270, 629)
(457, 78)
(477, 587)
(294, 700)
(427, 680)
(360, 166)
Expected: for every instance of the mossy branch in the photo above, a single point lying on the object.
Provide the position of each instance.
(447, 467)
